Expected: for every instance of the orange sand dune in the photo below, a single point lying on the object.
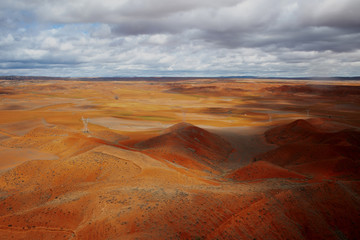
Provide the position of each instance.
(58, 141)
(128, 178)
(189, 146)
(263, 170)
(299, 130)
(326, 160)
(281, 215)
(13, 156)
(302, 131)
(303, 148)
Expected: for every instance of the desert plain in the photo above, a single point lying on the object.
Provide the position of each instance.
(180, 159)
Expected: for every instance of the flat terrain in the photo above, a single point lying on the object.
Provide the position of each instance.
(184, 159)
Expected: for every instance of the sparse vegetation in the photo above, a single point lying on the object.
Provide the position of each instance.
(141, 173)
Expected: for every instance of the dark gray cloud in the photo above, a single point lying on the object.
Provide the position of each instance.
(160, 37)
(331, 13)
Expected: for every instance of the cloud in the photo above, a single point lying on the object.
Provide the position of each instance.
(331, 13)
(160, 37)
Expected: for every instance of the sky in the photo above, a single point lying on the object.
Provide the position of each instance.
(207, 38)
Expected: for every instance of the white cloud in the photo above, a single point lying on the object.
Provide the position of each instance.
(9, 39)
(159, 37)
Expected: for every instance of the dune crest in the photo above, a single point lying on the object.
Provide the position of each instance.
(303, 148)
(188, 146)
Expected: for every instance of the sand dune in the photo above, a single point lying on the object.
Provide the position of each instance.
(58, 141)
(297, 131)
(263, 170)
(189, 146)
(303, 148)
(13, 156)
(302, 131)
(245, 166)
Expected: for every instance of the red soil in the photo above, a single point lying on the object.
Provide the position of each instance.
(303, 148)
(96, 188)
(207, 90)
(297, 131)
(189, 146)
(262, 170)
(53, 140)
(335, 91)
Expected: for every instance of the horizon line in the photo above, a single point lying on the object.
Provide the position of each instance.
(14, 77)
